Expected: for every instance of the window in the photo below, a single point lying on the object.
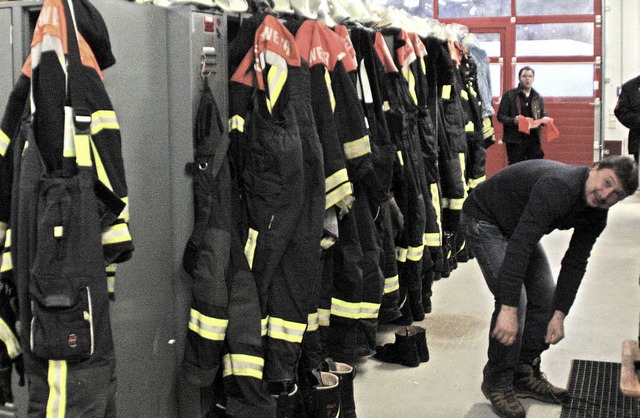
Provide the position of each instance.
(473, 8)
(561, 80)
(554, 39)
(537, 7)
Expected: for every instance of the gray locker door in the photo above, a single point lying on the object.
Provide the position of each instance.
(6, 62)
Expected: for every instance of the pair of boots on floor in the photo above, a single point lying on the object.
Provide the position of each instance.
(409, 349)
(326, 393)
(528, 382)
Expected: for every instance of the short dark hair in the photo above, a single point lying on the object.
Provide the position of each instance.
(625, 168)
(525, 68)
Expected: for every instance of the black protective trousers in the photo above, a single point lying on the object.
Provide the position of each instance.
(285, 196)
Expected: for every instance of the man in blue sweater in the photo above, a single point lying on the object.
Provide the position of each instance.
(505, 217)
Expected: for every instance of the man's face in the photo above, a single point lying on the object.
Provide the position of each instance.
(526, 78)
(603, 188)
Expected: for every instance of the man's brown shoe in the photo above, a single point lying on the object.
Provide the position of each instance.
(530, 382)
(505, 404)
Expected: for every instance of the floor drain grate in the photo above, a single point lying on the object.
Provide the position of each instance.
(594, 389)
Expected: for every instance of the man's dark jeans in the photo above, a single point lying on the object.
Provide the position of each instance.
(534, 311)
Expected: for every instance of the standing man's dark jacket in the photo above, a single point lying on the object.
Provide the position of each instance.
(528, 200)
(512, 105)
(628, 113)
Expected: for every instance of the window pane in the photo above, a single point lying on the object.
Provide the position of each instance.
(490, 42)
(420, 8)
(554, 39)
(561, 80)
(473, 8)
(496, 79)
(566, 7)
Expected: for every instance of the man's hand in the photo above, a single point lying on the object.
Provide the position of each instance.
(555, 329)
(506, 328)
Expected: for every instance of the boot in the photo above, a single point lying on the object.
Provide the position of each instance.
(285, 396)
(403, 351)
(530, 382)
(6, 394)
(323, 399)
(346, 374)
(421, 342)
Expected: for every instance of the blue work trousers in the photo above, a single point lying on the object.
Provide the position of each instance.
(489, 245)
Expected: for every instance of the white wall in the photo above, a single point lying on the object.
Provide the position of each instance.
(621, 58)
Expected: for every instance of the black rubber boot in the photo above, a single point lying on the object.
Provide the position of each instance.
(323, 399)
(346, 374)
(415, 304)
(403, 351)
(285, 395)
(421, 342)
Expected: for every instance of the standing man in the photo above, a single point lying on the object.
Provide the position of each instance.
(516, 104)
(505, 217)
(628, 113)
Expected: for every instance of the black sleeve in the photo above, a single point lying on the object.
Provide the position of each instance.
(506, 112)
(628, 108)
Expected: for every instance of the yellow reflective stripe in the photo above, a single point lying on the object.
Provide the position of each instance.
(115, 234)
(462, 247)
(264, 322)
(487, 128)
(435, 201)
(332, 98)
(327, 242)
(4, 143)
(470, 127)
(7, 263)
(423, 66)
(446, 92)
(472, 91)
(336, 179)
(432, 239)
(276, 77)
(357, 148)
(124, 215)
(250, 246)
(463, 169)
(312, 322)
(57, 381)
(354, 310)
(401, 254)
(9, 339)
(415, 253)
(338, 194)
(464, 95)
(111, 277)
(207, 327)
(83, 152)
(455, 204)
(369, 310)
(400, 159)
(100, 170)
(473, 183)
(290, 331)
(324, 317)
(242, 365)
(345, 309)
(391, 284)
(68, 146)
(3, 234)
(236, 122)
(411, 81)
(386, 106)
(103, 119)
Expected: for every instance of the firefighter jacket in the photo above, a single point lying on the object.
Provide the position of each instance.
(67, 213)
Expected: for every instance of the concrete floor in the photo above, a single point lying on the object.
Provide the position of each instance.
(448, 386)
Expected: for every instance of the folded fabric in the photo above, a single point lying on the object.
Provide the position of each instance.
(525, 124)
